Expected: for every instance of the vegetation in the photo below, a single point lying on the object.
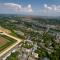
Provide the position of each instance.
(16, 35)
(13, 56)
(26, 44)
(45, 41)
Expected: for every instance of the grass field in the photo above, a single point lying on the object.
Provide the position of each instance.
(5, 41)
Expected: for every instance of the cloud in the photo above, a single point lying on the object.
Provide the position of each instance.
(17, 7)
(29, 8)
(47, 7)
(55, 8)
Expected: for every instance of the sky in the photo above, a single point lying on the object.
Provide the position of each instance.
(30, 7)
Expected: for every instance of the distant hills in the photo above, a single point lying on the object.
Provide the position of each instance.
(32, 16)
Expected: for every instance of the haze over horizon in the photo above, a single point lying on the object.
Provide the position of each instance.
(30, 7)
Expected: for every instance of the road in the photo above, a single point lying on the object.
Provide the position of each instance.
(9, 48)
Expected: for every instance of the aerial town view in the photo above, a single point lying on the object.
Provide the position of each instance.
(29, 29)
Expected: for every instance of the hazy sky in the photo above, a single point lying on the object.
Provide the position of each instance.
(32, 7)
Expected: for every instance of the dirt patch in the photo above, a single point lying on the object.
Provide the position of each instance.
(2, 41)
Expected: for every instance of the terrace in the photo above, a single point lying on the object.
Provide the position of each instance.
(7, 43)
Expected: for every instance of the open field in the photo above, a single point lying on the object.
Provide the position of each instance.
(5, 41)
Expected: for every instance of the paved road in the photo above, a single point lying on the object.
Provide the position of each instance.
(9, 48)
